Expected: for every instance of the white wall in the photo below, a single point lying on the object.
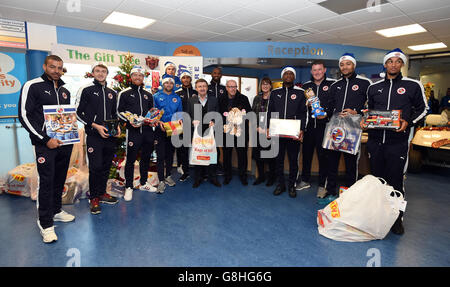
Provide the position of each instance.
(441, 82)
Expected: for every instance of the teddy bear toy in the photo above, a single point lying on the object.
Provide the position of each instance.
(234, 120)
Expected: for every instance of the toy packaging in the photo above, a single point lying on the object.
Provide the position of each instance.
(153, 116)
(374, 119)
(112, 125)
(343, 134)
(173, 128)
(133, 118)
(312, 99)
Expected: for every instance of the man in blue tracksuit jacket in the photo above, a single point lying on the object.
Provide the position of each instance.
(348, 97)
(388, 149)
(290, 103)
(170, 102)
(313, 138)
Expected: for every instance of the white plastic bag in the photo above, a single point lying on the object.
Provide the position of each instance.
(203, 150)
(365, 211)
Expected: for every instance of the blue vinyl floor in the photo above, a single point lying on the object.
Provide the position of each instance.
(228, 226)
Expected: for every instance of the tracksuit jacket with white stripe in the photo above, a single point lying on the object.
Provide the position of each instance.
(96, 104)
(34, 95)
(403, 94)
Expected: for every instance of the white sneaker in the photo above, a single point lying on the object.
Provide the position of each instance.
(321, 192)
(180, 170)
(169, 181)
(48, 234)
(161, 187)
(128, 194)
(63, 217)
(148, 187)
(302, 185)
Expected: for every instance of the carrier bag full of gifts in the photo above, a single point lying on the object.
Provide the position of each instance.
(203, 150)
(365, 211)
(343, 133)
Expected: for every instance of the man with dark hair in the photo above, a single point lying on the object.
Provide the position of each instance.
(388, 149)
(185, 93)
(313, 138)
(215, 89)
(52, 158)
(97, 104)
(207, 104)
(289, 102)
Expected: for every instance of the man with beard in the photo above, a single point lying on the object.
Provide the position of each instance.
(388, 149)
(52, 158)
(348, 97)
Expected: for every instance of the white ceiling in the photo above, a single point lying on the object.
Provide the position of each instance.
(249, 20)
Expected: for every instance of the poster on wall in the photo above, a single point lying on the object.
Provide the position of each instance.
(249, 87)
(193, 64)
(13, 75)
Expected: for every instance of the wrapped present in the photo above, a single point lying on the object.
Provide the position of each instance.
(173, 128)
(312, 99)
(284, 128)
(133, 118)
(153, 116)
(374, 119)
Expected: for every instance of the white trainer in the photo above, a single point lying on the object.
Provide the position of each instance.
(63, 217)
(128, 194)
(49, 235)
(148, 187)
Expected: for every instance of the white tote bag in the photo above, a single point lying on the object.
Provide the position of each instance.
(203, 150)
(365, 211)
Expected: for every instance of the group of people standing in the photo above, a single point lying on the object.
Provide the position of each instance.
(96, 104)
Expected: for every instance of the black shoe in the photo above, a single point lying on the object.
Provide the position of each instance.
(292, 192)
(279, 190)
(259, 180)
(244, 180)
(196, 183)
(271, 181)
(398, 228)
(215, 182)
(108, 199)
(184, 177)
(227, 180)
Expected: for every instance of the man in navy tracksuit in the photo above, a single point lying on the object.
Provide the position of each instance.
(97, 104)
(52, 158)
(388, 149)
(185, 93)
(215, 89)
(290, 103)
(348, 97)
(313, 137)
(139, 101)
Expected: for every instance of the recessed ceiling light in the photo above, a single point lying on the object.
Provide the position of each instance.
(427, 46)
(128, 20)
(402, 30)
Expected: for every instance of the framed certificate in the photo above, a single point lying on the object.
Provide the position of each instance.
(284, 128)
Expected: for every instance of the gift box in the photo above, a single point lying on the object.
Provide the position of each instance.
(284, 128)
(153, 116)
(343, 133)
(133, 118)
(173, 128)
(112, 125)
(374, 119)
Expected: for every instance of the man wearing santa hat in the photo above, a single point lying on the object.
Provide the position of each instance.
(388, 149)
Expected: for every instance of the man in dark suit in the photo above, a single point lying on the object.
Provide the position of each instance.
(205, 104)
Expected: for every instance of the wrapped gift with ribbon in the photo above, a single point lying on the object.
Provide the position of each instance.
(173, 128)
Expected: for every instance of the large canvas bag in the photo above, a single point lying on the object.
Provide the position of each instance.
(203, 150)
(365, 211)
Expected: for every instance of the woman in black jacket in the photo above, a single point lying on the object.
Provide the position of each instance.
(260, 103)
